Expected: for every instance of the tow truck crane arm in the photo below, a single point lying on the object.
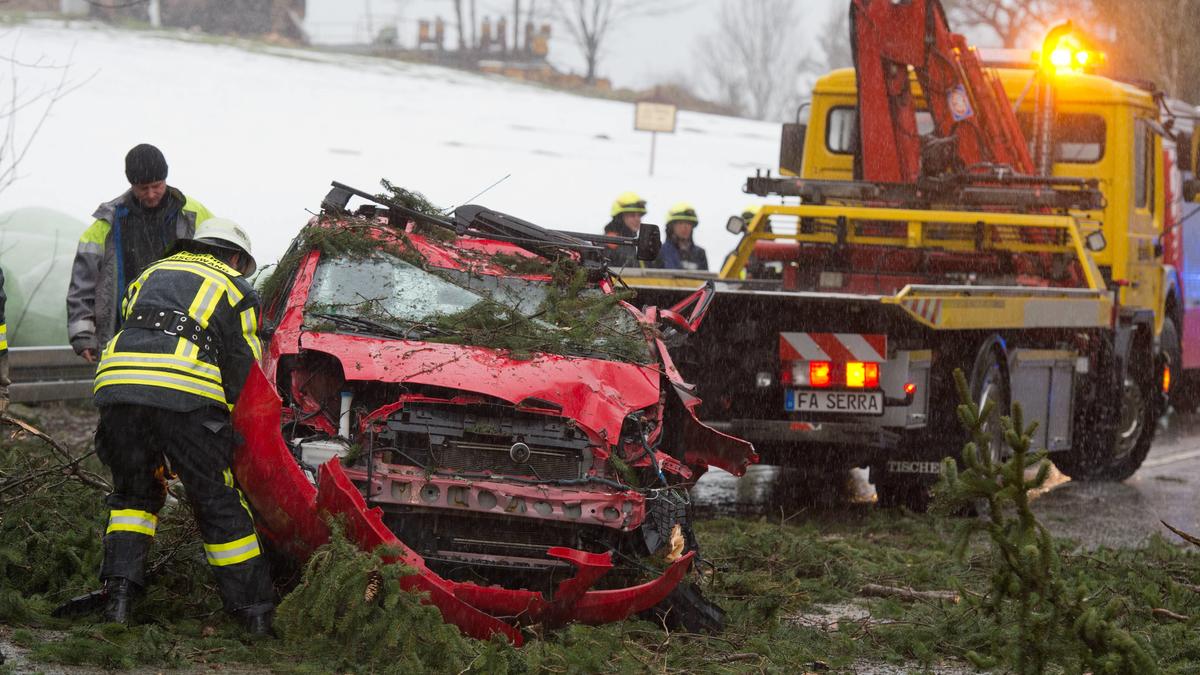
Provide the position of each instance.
(973, 125)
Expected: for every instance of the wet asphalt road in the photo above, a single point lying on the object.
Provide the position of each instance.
(1167, 487)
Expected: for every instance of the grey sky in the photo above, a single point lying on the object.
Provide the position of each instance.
(641, 52)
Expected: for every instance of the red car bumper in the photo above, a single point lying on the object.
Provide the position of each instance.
(292, 515)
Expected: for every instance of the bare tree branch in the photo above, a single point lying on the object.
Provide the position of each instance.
(13, 148)
(753, 63)
(1017, 23)
(589, 23)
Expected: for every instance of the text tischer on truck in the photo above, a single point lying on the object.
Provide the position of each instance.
(1028, 223)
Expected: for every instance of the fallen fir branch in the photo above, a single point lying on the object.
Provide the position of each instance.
(1186, 586)
(68, 466)
(907, 594)
(1195, 541)
(1164, 613)
(37, 433)
(734, 658)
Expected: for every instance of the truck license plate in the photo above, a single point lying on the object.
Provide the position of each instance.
(851, 402)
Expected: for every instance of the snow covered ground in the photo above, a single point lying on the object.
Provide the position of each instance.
(257, 133)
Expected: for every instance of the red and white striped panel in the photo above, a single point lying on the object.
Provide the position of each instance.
(929, 309)
(837, 347)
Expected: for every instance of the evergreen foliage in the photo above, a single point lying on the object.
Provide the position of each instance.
(573, 318)
(49, 536)
(350, 604)
(767, 573)
(1056, 622)
(409, 198)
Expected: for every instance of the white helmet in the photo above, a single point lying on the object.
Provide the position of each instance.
(225, 233)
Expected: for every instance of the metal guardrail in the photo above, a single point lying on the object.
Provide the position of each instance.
(49, 374)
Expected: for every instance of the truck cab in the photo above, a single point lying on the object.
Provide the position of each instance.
(1049, 291)
(1105, 130)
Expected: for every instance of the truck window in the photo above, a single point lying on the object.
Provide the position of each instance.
(1141, 164)
(841, 128)
(1079, 138)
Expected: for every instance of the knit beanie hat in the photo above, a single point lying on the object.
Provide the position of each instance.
(145, 164)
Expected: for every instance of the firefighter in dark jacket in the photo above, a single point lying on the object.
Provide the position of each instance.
(165, 386)
(129, 233)
(627, 211)
(3, 351)
(679, 252)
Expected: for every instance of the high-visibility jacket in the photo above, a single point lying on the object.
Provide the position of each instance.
(164, 367)
(3, 344)
(97, 274)
(3, 325)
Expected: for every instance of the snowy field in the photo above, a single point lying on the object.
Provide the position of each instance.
(257, 133)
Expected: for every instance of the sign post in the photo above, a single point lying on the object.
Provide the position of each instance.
(654, 117)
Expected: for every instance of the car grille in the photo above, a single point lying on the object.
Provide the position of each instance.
(544, 463)
(479, 439)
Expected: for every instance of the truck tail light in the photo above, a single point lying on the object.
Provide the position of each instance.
(862, 375)
(820, 374)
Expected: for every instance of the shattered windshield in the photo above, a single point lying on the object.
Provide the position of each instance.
(382, 295)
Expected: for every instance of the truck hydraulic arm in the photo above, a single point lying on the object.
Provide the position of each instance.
(972, 120)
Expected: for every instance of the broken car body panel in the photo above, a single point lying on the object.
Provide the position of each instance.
(520, 487)
(597, 394)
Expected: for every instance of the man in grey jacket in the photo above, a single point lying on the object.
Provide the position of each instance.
(130, 232)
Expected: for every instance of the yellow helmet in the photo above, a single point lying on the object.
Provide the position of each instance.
(682, 211)
(628, 202)
(750, 210)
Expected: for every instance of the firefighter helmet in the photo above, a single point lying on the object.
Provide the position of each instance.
(682, 211)
(628, 202)
(224, 233)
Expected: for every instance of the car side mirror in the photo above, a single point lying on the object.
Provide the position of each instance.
(735, 225)
(1095, 242)
(1191, 189)
(649, 242)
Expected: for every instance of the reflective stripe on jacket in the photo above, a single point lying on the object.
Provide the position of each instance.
(148, 366)
(92, 297)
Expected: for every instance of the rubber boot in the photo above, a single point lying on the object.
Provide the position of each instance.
(118, 603)
(258, 623)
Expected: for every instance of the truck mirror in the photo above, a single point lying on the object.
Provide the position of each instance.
(791, 147)
(649, 241)
(1095, 242)
(735, 225)
(1191, 189)
(1185, 158)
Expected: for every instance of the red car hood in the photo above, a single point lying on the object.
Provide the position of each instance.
(595, 393)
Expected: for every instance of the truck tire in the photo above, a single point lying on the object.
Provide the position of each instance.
(911, 492)
(1104, 451)
(987, 379)
(990, 384)
(1183, 394)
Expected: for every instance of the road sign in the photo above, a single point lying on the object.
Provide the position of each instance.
(655, 118)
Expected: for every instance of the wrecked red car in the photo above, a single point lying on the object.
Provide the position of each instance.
(478, 393)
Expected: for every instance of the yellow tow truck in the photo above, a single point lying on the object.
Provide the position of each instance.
(848, 303)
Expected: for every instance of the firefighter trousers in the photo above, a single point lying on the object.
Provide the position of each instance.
(134, 441)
